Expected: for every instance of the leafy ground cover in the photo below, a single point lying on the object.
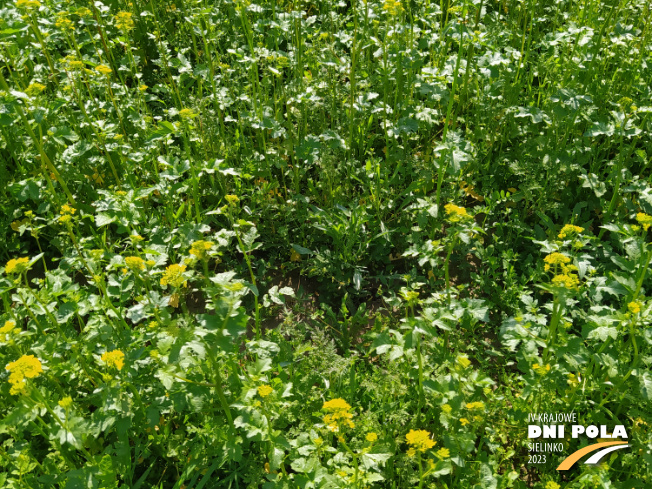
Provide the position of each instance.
(322, 244)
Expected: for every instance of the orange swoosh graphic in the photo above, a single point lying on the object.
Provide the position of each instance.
(574, 457)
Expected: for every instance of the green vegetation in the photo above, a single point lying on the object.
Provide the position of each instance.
(295, 244)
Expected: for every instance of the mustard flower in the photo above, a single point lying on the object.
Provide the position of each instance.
(338, 414)
(173, 276)
(199, 248)
(456, 213)
(103, 69)
(124, 21)
(419, 440)
(114, 358)
(66, 402)
(569, 230)
(135, 263)
(34, 89)
(634, 307)
(17, 265)
(644, 220)
(26, 367)
(264, 390)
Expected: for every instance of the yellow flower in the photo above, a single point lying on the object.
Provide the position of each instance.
(264, 390)
(26, 367)
(569, 230)
(464, 421)
(318, 441)
(552, 485)
(392, 7)
(199, 248)
(17, 224)
(28, 4)
(232, 199)
(411, 452)
(8, 327)
(573, 380)
(135, 263)
(34, 89)
(83, 12)
(555, 259)
(187, 114)
(17, 265)
(66, 402)
(446, 408)
(338, 414)
(105, 70)
(124, 21)
(64, 23)
(644, 220)
(634, 307)
(173, 276)
(142, 87)
(567, 281)
(419, 440)
(475, 405)
(114, 358)
(72, 64)
(443, 453)
(456, 213)
(541, 369)
(371, 437)
(66, 209)
(463, 360)
(65, 219)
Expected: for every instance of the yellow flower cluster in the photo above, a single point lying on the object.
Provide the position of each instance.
(443, 453)
(552, 485)
(199, 248)
(135, 263)
(371, 437)
(26, 367)
(173, 276)
(419, 441)
(114, 358)
(392, 7)
(71, 63)
(479, 405)
(634, 308)
(338, 414)
(554, 260)
(567, 281)
(232, 199)
(34, 89)
(28, 4)
(7, 329)
(83, 12)
(66, 402)
(64, 23)
(124, 21)
(17, 265)
(456, 213)
(541, 369)
(264, 390)
(103, 69)
(569, 230)
(644, 220)
(187, 114)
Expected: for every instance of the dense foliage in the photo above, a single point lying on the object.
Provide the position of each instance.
(295, 244)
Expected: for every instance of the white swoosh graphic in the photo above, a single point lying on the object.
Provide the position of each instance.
(595, 458)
